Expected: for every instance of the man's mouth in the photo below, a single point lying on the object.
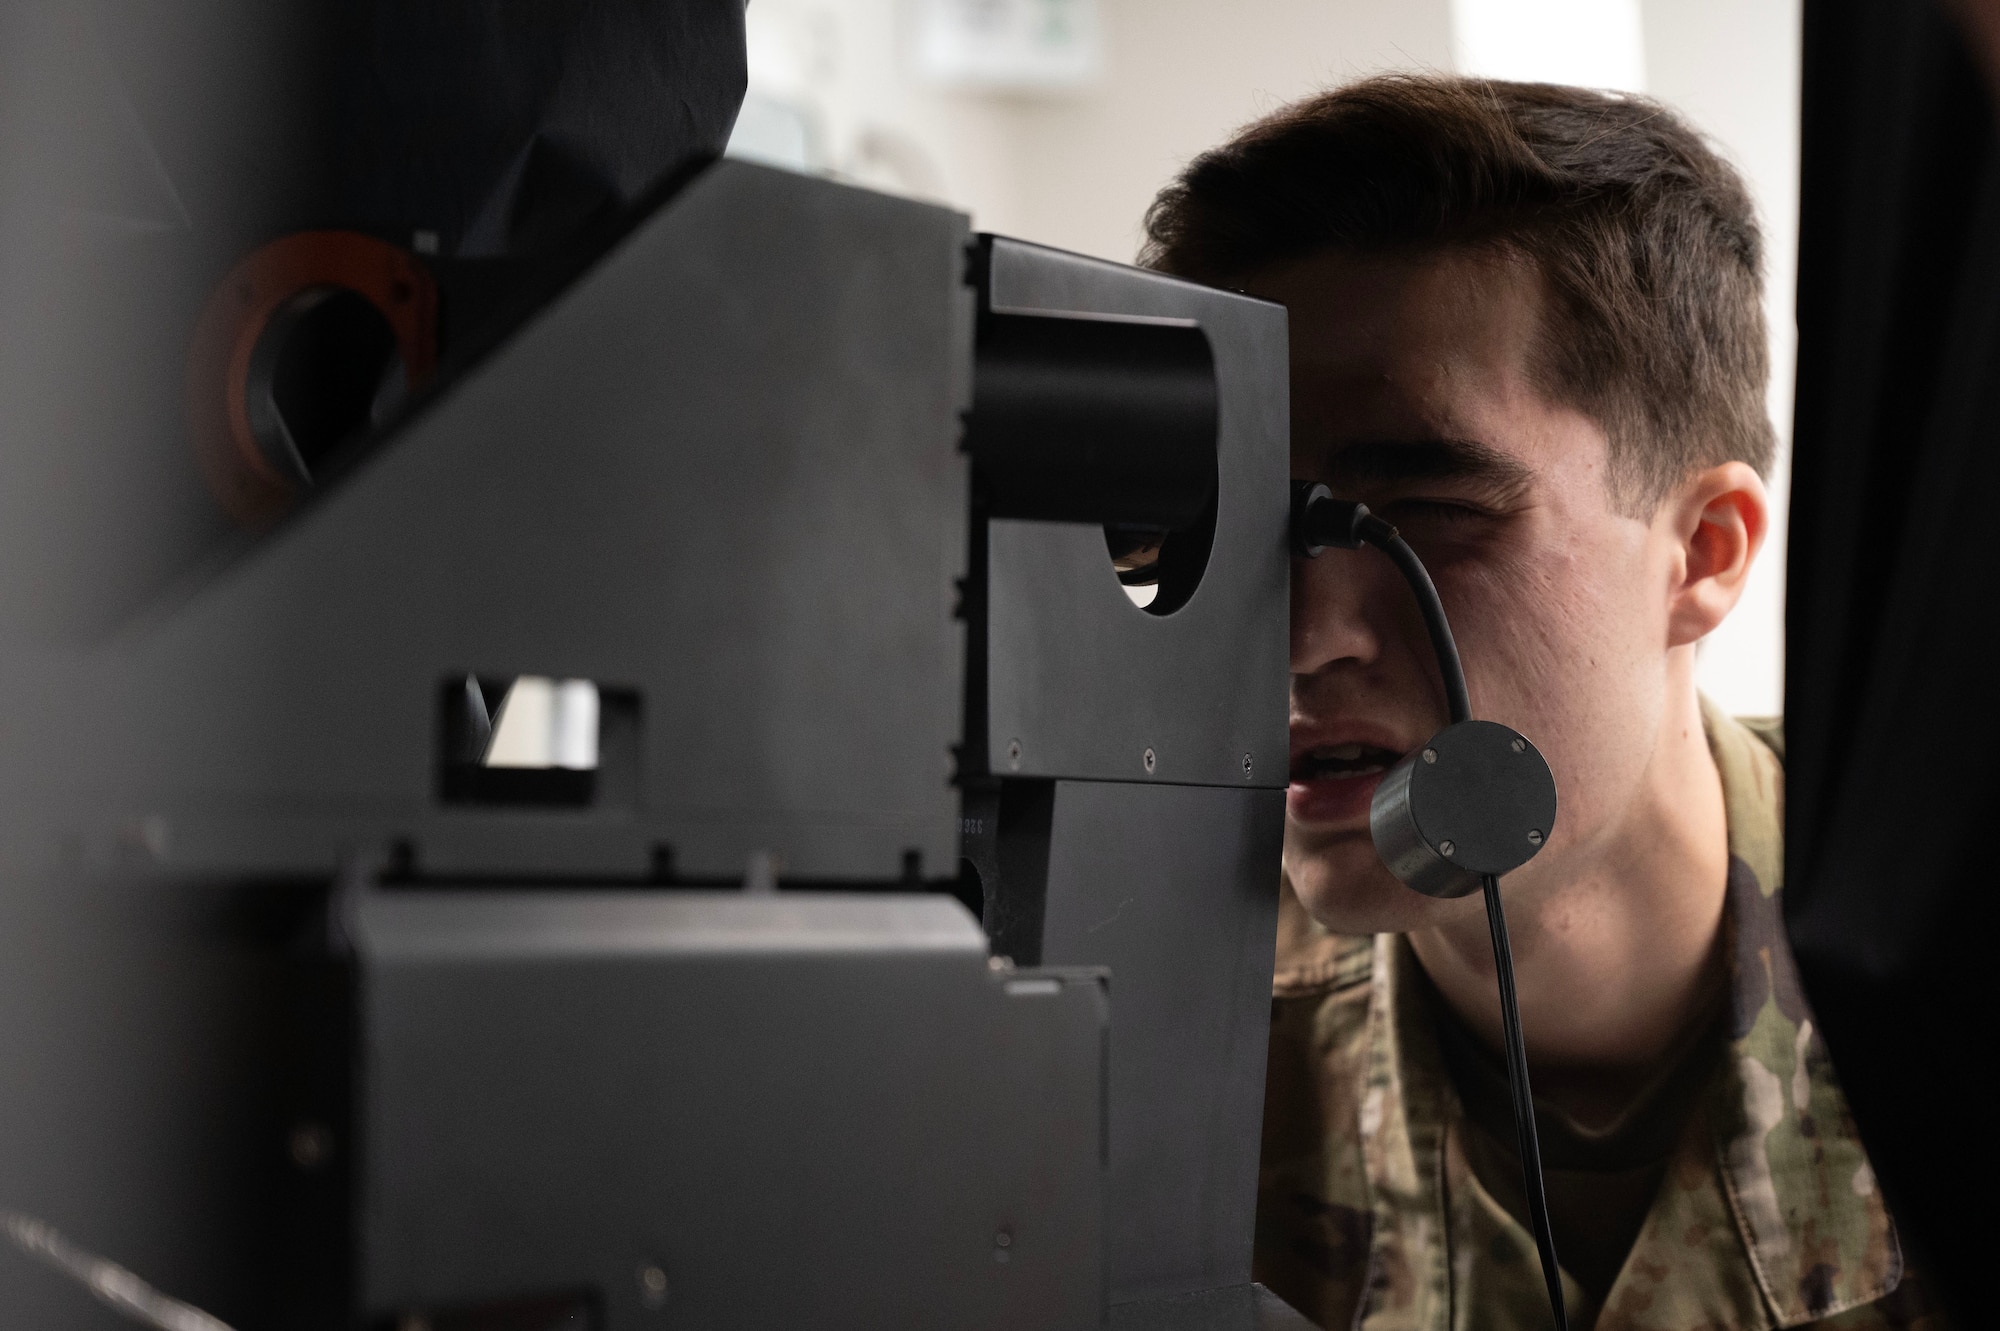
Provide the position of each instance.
(1342, 762)
(1333, 785)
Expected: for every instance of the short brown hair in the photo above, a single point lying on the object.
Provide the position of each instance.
(1645, 237)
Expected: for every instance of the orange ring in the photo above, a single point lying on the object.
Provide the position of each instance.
(236, 316)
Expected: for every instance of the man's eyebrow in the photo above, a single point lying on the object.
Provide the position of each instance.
(1387, 462)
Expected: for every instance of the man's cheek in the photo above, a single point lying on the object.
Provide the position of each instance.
(1498, 650)
(1515, 637)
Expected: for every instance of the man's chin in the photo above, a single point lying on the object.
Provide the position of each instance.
(1344, 885)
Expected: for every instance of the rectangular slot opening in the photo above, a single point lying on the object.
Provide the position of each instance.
(538, 741)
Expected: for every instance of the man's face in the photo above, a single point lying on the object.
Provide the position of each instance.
(1412, 392)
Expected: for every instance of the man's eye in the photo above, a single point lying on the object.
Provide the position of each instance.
(1434, 512)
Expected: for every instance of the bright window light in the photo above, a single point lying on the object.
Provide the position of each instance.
(1595, 43)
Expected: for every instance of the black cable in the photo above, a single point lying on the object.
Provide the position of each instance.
(1320, 520)
(1386, 539)
(1334, 522)
(1526, 1140)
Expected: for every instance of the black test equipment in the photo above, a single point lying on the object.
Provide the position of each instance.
(799, 523)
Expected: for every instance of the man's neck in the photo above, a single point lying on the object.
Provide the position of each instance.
(1614, 963)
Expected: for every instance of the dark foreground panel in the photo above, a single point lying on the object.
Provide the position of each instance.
(797, 1110)
(1891, 623)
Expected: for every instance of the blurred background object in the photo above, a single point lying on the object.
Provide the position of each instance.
(1008, 45)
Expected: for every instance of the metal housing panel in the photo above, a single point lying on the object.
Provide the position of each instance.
(1185, 917)
(626, 492)
(1081, 679)
(805, 1111)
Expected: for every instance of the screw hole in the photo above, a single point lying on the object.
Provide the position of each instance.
(652, 1286)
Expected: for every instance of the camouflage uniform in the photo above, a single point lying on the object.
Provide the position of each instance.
(1369, 1215)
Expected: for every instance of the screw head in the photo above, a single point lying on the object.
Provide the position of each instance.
(1447, 848)
(150, 837)
(1014, 754)
(1246, 765)
(1004, 1239)
(652, 1286)
(1519, 745)
(1149, 760)
(1535, 836)
(1430, 755)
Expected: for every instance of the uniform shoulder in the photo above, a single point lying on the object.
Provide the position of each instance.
(1770, 729)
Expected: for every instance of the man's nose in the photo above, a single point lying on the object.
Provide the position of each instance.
(1337, 607)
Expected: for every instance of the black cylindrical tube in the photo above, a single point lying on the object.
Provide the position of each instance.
(1094, 420)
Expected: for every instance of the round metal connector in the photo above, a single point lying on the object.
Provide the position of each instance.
(1484, 804)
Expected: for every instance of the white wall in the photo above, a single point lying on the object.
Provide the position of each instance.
(1077, 168)
(1733, 67)
(1074, 168)
(1180, 76)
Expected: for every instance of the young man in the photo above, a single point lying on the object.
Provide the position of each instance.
(1526, 329)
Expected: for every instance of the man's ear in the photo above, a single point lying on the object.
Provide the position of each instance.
(1718, 520)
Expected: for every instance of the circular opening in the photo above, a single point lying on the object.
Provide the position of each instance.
(325, 369)
(1159, 570)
